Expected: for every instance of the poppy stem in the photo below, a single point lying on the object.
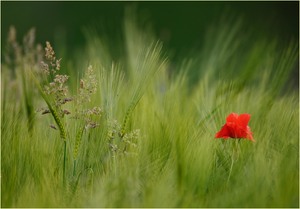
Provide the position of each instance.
(231, 166)
(234, 156)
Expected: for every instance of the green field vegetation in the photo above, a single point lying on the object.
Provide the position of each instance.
(141, 130)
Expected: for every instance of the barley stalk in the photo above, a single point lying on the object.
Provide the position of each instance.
(76, 147)
(63, 134)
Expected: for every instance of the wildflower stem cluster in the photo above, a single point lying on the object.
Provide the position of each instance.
(89, 117)
(55, 94)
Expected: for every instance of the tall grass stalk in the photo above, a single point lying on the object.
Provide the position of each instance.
(58, 121)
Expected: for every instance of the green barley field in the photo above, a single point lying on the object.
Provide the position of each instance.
(138, 130)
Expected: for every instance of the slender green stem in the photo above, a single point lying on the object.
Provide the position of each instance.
(64, 163)
(91, 180)
(234, 156)
(231, 166)
(74, 168)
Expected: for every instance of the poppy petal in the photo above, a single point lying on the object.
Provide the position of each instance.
(232, 118)
(243, 119)
(223, 133)
(249, 134)
(236, 127)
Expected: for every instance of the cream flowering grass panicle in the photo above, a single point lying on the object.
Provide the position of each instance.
(19, 61)
(11, 61)
(13, 52)
(55, 93)
(88, 117)
(121, 143)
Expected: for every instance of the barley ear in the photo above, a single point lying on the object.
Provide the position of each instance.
(127, 115)
(58, 121)
(78, 141)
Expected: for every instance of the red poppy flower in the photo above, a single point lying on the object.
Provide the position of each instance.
(236, 127)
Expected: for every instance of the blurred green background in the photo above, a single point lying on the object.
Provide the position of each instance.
(181, 25)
